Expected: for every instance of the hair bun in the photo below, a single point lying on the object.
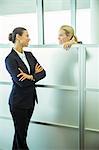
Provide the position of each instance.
(10, 37)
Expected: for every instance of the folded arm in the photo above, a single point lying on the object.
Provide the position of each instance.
(39, 74)
(20, 77)
(12, 68)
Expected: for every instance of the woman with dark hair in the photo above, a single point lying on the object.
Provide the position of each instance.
(25, 72)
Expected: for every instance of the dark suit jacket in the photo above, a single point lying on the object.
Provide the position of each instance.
(23, 94)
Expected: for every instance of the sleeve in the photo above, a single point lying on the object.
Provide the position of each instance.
(12, 67)
(40, 75)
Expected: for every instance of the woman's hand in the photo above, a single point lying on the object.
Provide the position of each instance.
(38, 68)
(68, 44)
(23, 76)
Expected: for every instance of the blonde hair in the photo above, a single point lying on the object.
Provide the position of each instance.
(69, 31)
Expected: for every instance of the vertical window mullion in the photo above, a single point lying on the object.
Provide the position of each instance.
(40, 19)
(73, 14)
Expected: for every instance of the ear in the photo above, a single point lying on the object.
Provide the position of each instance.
(70, 36)
(17, 36)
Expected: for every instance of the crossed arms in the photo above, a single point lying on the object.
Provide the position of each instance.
(20, 77)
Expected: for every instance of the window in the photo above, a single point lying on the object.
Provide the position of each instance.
(56, 13)
(83, 24)
(14, 14)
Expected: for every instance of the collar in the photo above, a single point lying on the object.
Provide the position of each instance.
(20, 54)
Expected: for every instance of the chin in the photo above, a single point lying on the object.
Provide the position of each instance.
(60, 42)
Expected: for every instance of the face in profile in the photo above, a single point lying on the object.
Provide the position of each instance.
(24, 39)
(62, 37)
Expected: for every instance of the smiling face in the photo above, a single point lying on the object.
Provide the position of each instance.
(62, 37)
(23, 39)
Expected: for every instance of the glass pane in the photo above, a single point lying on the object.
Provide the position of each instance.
(57, 106)
(4, 75)
(40, 137)
(92, 121)
(92, 65)
(92, 103)
(61, 66)
(17, 7)
(56, 14)
(18, 13)
(6, 140)
(60, 106)
(4, 96)
(83, 30)
(52, 138)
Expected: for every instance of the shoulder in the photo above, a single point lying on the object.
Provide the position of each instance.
(29, 54)
(10, 56)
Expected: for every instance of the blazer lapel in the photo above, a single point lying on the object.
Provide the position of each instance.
(29, 61)
(20, 62)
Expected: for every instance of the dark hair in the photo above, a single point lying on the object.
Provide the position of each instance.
(12, 36)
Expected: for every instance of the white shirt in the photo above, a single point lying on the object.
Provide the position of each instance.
(23, 58)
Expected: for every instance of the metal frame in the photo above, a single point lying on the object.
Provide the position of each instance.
(73, 14)
(40, 19)
(82, 94)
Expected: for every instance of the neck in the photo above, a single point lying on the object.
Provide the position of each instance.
(18, 48)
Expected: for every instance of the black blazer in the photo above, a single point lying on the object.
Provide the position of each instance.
(23, 94)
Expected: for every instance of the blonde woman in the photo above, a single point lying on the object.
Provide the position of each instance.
(67, 37)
